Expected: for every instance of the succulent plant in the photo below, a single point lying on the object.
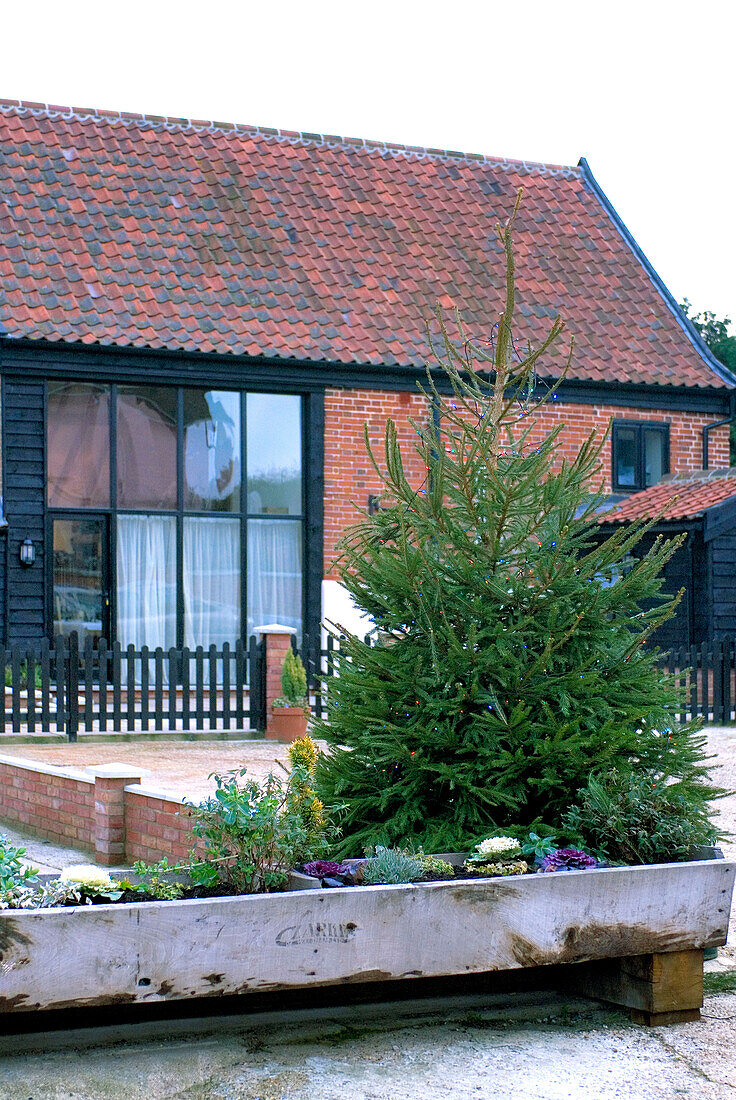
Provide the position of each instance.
(433, 865)
(391, 866)
(568, 859)
(494, 870)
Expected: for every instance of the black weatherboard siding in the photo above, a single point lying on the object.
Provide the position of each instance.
(723, 571)
(24, 500)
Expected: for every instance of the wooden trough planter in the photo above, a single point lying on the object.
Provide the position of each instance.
(641, 930)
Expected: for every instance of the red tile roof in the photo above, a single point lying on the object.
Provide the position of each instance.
(682, 496)
(184, 234)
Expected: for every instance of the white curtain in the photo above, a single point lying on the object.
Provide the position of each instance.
(211, 581)
(274, 573)
(146, 560)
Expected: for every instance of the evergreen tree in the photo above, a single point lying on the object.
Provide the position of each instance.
(716, 333)
(508, 665)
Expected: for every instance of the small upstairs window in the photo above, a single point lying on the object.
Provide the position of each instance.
(640, 454)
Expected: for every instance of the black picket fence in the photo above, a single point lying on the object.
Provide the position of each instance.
(321, 670)
(60, 688)
(706, 674)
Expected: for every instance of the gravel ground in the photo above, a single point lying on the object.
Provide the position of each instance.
(520, 1049)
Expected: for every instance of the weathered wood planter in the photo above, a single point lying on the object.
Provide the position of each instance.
(642, 929)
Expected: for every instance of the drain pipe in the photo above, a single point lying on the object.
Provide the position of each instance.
(717, 424)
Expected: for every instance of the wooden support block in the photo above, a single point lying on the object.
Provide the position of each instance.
(655, 1019)
(658, 988)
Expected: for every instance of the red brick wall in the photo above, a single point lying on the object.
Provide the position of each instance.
(350, 477)
(48, 805)
(45, 802)
(156, 827)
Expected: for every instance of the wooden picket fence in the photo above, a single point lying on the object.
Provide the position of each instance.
(60, 688)
(706, 674)
(64, 689)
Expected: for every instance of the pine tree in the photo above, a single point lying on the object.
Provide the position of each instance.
(508, 664)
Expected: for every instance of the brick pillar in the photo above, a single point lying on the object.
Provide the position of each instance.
(109, 823)
(278, 642)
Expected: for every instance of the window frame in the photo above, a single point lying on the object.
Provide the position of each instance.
(639, 427)
(180, 512)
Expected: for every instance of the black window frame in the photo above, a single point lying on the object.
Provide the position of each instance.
(639, 427)
(312, 417)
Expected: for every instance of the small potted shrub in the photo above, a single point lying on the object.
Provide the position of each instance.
(290, 711)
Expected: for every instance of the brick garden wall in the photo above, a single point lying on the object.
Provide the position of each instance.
(155, 826)
(350, 477)
(115, 820)
(47, 802)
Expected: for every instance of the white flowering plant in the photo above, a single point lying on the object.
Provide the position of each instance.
(85, 879)
(495, 848)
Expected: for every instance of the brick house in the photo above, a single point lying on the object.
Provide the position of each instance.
(197, 318)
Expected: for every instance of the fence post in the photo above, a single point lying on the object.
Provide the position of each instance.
(72, 688)
(718, 663)
(278, 643)
(256, 678)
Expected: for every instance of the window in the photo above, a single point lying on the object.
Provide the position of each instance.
(640, 454)
(78, 444)
(194, 491)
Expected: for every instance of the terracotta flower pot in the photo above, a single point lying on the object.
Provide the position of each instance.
(286, 724)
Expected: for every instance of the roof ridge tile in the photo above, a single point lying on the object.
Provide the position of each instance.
(8, 106)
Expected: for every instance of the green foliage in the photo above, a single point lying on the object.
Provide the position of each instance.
(23, 681)
(293, 681)
(507, 666)
(302, 798)
(390, 866)
(501, 868)
(158, 882)
(15, 876)
(722, 981)
(433, 865)
(539, 844)
(255, 833)
(640, 818)
(715, 333)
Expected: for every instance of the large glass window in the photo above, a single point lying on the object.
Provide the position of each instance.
(641, 455)
(211, 451)
(163, 467)
(274, 573)
(274, 433)
(80, 582)
(146, 446)
(78, 442)
(211, 581)
(146, 588)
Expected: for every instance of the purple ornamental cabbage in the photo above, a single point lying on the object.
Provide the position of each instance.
(567, 859)
(318, 868)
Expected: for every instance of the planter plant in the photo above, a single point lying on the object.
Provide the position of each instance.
(512, 658)
(500, 754)
(290, 711)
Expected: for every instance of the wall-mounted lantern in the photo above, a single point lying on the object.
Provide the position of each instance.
(374, 504)
(27, 552)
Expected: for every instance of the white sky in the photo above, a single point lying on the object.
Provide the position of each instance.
(644, 90)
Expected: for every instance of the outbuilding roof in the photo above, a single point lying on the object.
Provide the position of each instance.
(676, 497)
(181, 234)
